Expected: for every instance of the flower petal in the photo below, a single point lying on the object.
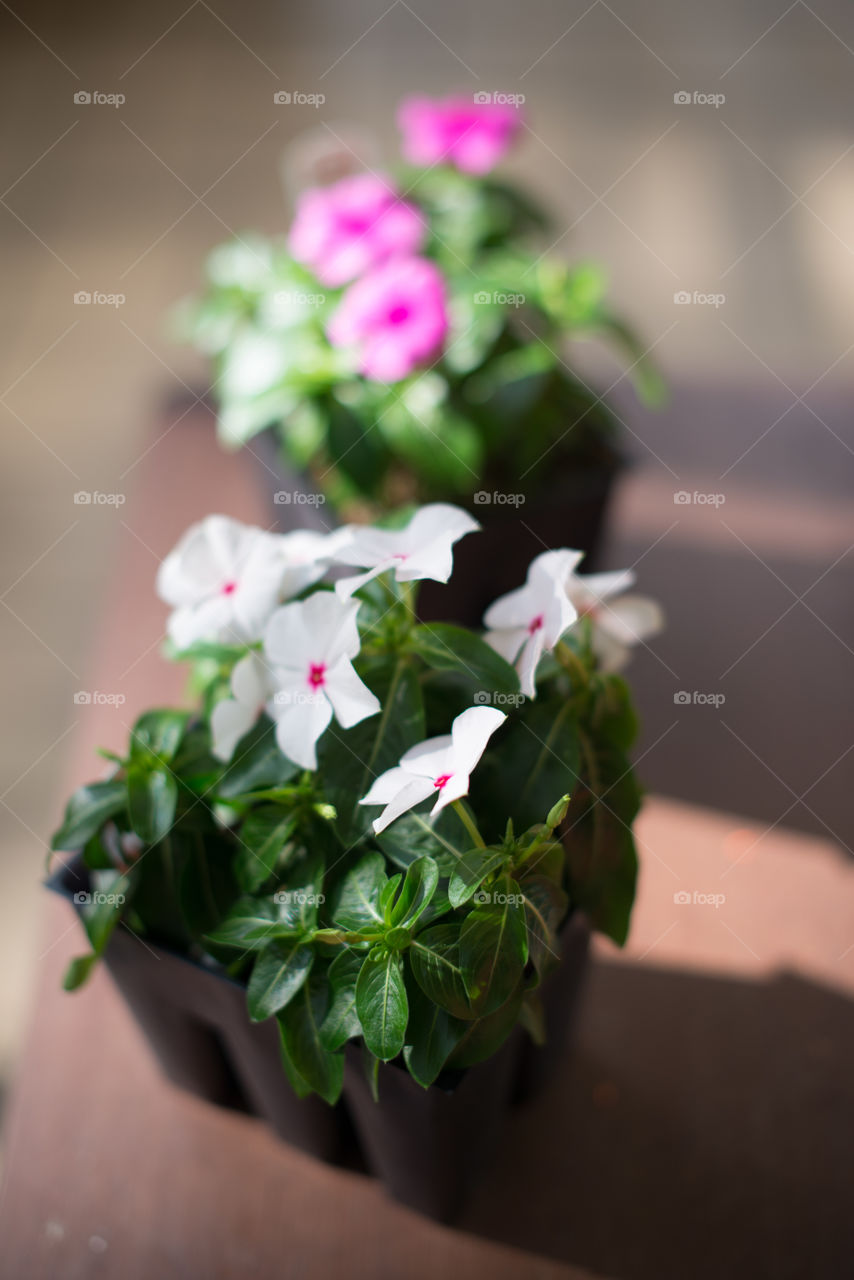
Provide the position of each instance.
(299, 725)
(416, 790)
(352, 700)
(470, 733)
(230, 719)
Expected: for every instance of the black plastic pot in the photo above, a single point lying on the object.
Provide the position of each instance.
(517, 524)
(427, 1146)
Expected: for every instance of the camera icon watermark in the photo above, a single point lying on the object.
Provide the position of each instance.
(95, 698)
(83, 298)
(696, 98)
(294, 98)
(485, 98)
(298, 498)
(95, 498)
(299, 697)
(485, 498)
(492, 698)
(486, 897)
(697, 899)
(682, 498)
(499, 298)
(84, 899)
(684, 298)
(298, 898)
(696, 698)
(85, 98)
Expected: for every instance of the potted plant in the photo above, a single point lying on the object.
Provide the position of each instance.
(348, 872)
(407, 341)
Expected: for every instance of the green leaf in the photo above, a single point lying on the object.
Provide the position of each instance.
(418, 888)
(449, 648)
(545, 910)
(299, 1086)
(263, 835)
(485, 1036)
(87, 811)
(471, 870)
(257, 763)
(249, 925)
(207, 886)
(78, 971)
(354, 448)
(432, 1034)
(494, 945)
(300, 1024)
(539, 760)
(279, 972)
(382, 1004)
(342, 1021)
(301, 893)
(434, 956)
(357, 902)
(152, 797)
(414, 836)
(158, 734)
(351, 759)
(601, 857)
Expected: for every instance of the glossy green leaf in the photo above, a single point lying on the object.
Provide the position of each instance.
(87, 811)
(257, 763)
(435, 959)
(449, 648)
(432, 1034)
(262, 837)
(300, 1024)
(248, 926)
(279, 972)
(471, 870)
(357, 902)
(342, 1020)
(418, 888)
(546, 906)
(382, 1004)
(494, 945)
(152, 798)
(158, 734)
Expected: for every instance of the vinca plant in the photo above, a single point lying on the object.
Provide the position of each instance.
(379, 826)
(408, 339)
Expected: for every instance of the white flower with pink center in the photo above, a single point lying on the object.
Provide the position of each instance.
(618, 624)
(529, 621)
(422, 549)
(309, 646)
(224, 579)
(439, 767)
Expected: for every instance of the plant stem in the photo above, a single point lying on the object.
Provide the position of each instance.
(469, 823)
(571, 663)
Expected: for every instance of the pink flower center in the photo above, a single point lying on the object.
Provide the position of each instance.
(441, 780)
(398, 314)
(228, 588)
(317, 674)
(535, 624)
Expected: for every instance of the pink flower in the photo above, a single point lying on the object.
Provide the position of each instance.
(395, 317)
(471, 135)
(345, 229)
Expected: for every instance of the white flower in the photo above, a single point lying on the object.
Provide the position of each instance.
(531, 619)
(309, 645)
(440, 765)
(423, 549)
(233, 717)
(618, 624)
(224, 579)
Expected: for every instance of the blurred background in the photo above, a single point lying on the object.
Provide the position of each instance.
(724, 222)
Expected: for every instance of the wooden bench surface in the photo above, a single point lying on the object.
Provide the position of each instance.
(702, 1127)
